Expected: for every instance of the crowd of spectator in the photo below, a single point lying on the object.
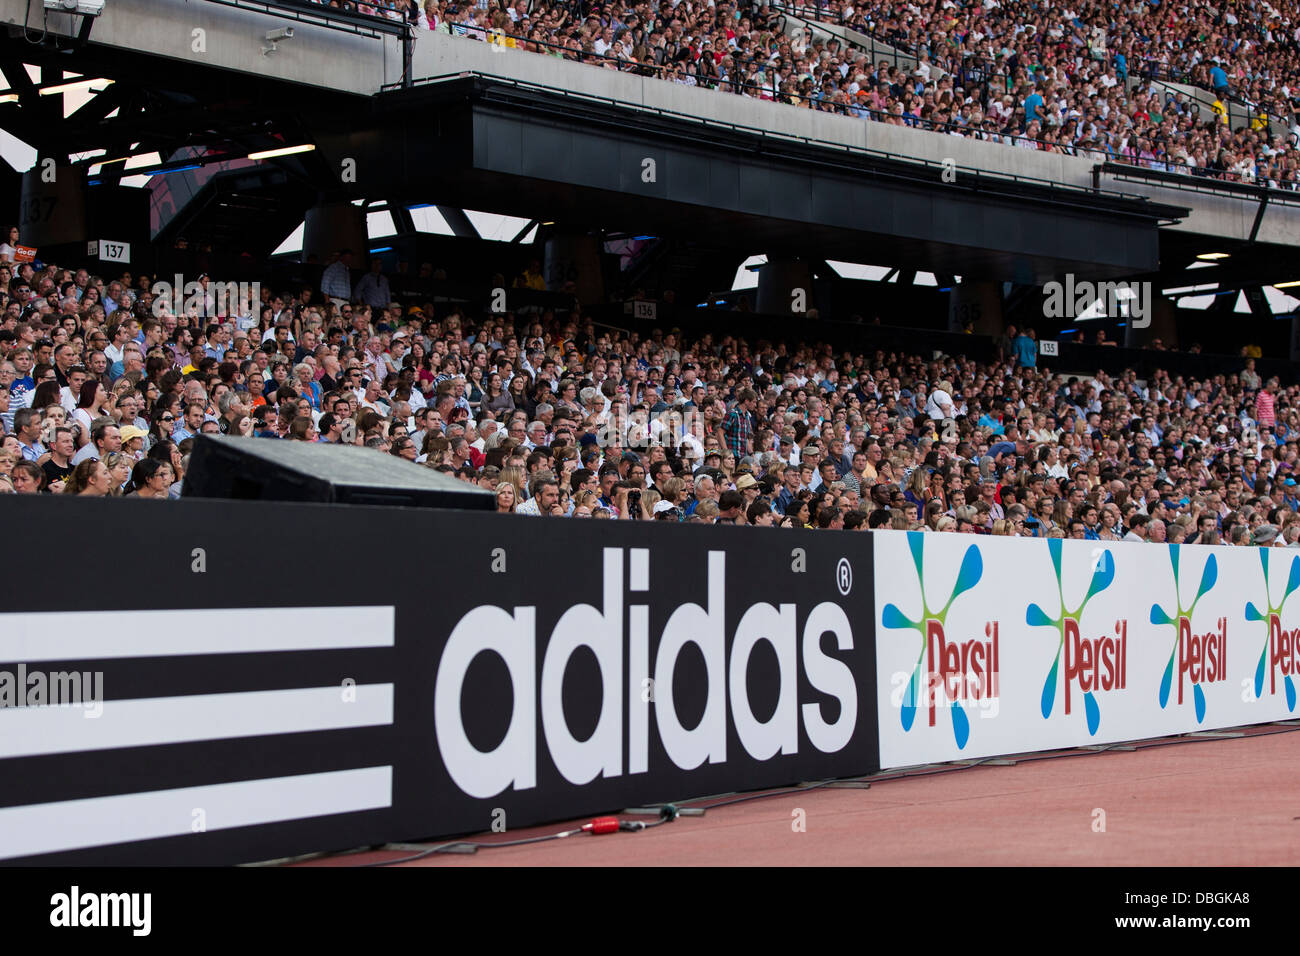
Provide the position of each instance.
(104, 390)
(1080, 78)
(1066, 68)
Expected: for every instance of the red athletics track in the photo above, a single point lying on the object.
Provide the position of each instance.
(1172, 802)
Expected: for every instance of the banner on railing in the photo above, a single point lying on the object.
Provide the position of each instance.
(990, 645)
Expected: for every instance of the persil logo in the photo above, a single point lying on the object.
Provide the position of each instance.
(1281, 651)
(950, 673)
(513, 636)
(1092, 664)
(1200, 658)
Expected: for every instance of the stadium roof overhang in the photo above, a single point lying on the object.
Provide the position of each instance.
(547, 154)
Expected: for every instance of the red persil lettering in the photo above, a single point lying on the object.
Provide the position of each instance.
(1202, 657)
(1098, 664)
(1283, 651)
(966, 670)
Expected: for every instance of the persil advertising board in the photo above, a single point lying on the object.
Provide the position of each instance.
(991, 646)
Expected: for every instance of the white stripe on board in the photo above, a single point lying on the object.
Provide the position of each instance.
(101, 635)
(28, 731)
(102, 821)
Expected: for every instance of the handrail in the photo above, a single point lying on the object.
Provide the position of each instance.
(318, 14)
(1197, 180)
(792, 10)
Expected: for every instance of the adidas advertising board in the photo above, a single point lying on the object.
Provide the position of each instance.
(539, 670)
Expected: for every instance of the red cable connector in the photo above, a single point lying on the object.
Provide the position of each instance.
(602, 825)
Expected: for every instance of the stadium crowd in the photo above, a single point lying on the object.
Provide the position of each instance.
(1051, 77)
(104, 389)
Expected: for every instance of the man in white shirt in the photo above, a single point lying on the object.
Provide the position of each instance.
(374, 399)
(114, 349)
(70, 393)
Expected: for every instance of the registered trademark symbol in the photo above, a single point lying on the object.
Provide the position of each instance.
(844, 576)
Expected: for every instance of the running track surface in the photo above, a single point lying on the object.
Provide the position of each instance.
(1205, 802)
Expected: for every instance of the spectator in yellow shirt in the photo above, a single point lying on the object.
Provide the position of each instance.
(531, 278)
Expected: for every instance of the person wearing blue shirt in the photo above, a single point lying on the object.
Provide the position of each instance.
(1033, 103)
(1218, 79)
(1289, 497)
(1026, 349)
(21, 387)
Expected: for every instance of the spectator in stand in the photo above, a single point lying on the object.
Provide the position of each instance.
(57, 465)
(1265, 406)
(27, 478)
(1026, 348)
(373, 289)
(336, 282)
(89, 479)
(105, 439)
(150, 479)
(9, 247)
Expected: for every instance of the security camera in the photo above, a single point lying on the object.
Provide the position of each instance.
(85, 8)
(275, 36)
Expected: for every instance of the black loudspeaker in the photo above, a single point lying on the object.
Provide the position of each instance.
(270, 469)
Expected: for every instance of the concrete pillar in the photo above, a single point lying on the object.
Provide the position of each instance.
(977, 305)
(330, 227)
(573, 256)
(53, 207)
(785, 286)
(1163, 326)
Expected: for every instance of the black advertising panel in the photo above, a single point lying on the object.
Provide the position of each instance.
(259, 680)
(224, 467)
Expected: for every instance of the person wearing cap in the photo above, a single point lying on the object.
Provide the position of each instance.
(1290, 497)
(748, 486)
(906, 405)
(789, 452)
(133, 439)
(1266, 535)
(666, 511)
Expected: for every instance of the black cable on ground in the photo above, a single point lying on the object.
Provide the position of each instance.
(595, 826)
(669, 812)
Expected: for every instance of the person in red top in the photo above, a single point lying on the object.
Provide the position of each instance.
(1265, 415)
